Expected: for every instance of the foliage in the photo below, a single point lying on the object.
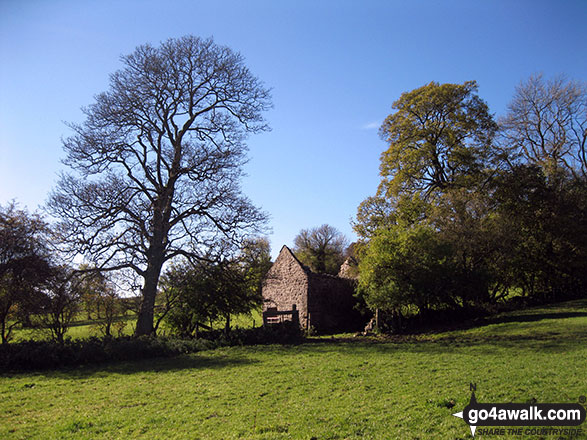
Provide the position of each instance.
(427, 234)
(546, 223)
(439, 136)
(24, 265)
(197, 295)
(406, 267)
(255, 262)
(322, 249)
(58, 303)
(465, 220)
(157, 162)
(41, 355)
(190, 299)
(459, 221)
(374, 213)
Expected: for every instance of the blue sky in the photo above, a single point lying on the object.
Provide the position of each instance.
(335, 68)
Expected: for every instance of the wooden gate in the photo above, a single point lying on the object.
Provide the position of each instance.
(274, 316)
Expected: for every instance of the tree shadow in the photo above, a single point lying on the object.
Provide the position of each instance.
(557, 338)
(197, 361)
(547, 342)
(530, 317)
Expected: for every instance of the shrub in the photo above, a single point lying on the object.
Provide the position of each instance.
(42, 355)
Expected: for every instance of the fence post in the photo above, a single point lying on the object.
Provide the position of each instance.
(295, 317)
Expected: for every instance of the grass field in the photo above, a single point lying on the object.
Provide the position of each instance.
(337, 388)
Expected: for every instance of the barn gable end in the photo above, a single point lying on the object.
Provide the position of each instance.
(324, 302)
(286, 284)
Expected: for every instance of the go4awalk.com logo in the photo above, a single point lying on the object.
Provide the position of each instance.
(536, 418)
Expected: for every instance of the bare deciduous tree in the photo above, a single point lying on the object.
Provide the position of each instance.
(321, 248)
(158, 160)
(547, 124)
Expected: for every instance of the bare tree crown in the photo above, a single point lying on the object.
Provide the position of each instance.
(546, 124)
(159, 156)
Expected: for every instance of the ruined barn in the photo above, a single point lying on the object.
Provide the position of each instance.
(323, 302)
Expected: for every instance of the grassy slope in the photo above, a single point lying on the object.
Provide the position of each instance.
(326, 389)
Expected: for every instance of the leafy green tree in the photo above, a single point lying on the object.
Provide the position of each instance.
(546, 223)
(188, 299)
(541, 197)
(406, 267)
(59, 303)
(426, 232)
(439, 136)
(24, 265)
(322, 249)
(465, 220)
(374, 213)
(492, 217)
(206, 292)
(255, 262)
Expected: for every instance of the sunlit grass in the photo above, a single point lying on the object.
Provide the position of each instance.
(324, 389)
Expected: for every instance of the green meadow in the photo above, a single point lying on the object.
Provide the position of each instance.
(327, 388)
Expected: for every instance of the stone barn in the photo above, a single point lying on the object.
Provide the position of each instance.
(324, 302)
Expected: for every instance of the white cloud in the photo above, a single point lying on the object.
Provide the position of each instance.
(371, 125)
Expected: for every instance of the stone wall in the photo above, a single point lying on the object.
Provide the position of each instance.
(286, 284)
(331, 303)
(349, 269)
(324, 302)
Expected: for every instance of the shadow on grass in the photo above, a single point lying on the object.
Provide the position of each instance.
(155, 365)
(568, 309)
(90, 322)
(555, 336)
(564, 330)
(548, 343)
(530, 317)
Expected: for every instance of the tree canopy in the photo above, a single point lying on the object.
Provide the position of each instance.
(440, 135)
(468, 211)
(25, 264)
(197, 294)
(322, 248)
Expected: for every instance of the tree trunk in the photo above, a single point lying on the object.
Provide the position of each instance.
(146, 312)
(227, 325)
